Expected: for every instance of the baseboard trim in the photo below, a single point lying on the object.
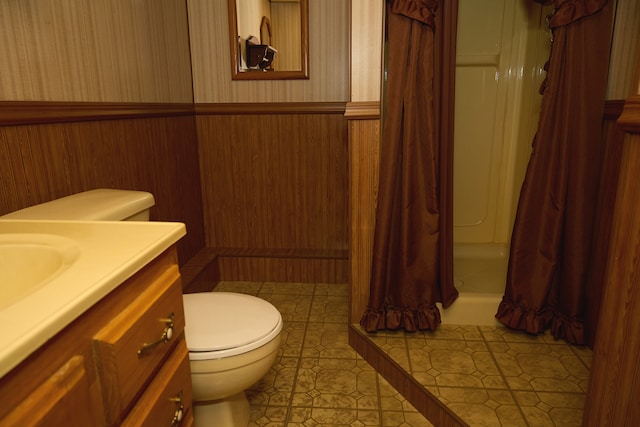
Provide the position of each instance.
(425, 402)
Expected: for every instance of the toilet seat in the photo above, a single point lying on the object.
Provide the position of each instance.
(225, 324)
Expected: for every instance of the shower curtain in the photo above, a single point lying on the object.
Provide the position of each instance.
(552, 237)
(412, 255)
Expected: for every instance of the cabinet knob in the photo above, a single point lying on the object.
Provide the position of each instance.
(166, 336)
(179, 413)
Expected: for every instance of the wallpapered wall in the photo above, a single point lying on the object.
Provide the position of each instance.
(99, 51)
(328, 58)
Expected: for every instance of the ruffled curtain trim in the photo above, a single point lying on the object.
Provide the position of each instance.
(571, 330)
(419, 10)
(411, 320)
(568, 11)
(519, 317)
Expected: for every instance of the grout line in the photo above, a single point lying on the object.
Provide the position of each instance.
(299, 364)
(378, 397)
(406, 349)
(504, 378)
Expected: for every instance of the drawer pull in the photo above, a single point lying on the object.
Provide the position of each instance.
(166, 336)
(179, 413)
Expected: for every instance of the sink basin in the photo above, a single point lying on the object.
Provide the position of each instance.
(28, 261)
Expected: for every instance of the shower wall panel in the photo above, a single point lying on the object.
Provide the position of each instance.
(501, 48)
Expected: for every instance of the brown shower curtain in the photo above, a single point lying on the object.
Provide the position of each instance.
(412, 264)
(553, 232)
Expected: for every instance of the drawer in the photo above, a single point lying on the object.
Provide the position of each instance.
(168, 394)
(132, 345)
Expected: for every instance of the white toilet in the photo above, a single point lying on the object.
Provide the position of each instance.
(233, 339)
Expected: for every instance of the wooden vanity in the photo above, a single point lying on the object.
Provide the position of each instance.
(122, 362)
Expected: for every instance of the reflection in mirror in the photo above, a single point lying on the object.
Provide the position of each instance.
(269, 39)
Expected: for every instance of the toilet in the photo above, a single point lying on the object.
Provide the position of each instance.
(233, 339)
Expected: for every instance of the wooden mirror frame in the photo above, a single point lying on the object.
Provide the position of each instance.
(237, 74)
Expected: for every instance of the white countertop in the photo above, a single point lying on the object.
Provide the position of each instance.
(108, 254)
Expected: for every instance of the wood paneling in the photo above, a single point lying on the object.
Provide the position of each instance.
(201, 272)
(630, 119)
(25, 112)
(363, 113)
(328, 57)
(615, 372)
(611, 154)
(47, 161)
(102, 51)
(290, 270)
(364, 157)
(273, 183)
(239, 108)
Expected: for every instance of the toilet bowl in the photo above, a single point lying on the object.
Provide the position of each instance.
(233, 339)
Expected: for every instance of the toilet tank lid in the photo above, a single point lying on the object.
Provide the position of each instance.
(95, 205)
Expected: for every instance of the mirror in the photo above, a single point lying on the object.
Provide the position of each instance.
(269, 39)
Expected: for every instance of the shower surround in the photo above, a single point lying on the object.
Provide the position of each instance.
(501, 49)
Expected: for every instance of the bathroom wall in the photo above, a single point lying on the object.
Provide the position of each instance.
(624, 65)
(99, 51)
(273, 153)
(98, 94)
(328, 63)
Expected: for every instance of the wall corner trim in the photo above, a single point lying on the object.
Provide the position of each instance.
(629, 120)
(245, 108)
(363, 110)
(14, 113)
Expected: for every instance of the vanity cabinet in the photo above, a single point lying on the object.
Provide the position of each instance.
(49, 404)
(123, 362)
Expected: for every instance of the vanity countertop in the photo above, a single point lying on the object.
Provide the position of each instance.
(100, 255)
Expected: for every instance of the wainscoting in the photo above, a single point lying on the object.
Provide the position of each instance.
(274, 190)
(50, 150)
(273, 204)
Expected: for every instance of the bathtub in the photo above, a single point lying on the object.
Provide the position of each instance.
(480, 272)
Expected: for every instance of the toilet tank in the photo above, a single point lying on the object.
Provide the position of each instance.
(94, 205)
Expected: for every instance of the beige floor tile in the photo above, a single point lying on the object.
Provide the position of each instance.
(292, 338)
(293, 308)
(339, 289)
(327, 340)
(498, 369)
(487, 375)
(287, 288)
(267, 416)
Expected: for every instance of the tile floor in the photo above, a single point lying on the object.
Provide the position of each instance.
(318, 379)
(490, 376)
(487, 375)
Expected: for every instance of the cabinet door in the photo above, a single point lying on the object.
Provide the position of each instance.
(49, 405)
